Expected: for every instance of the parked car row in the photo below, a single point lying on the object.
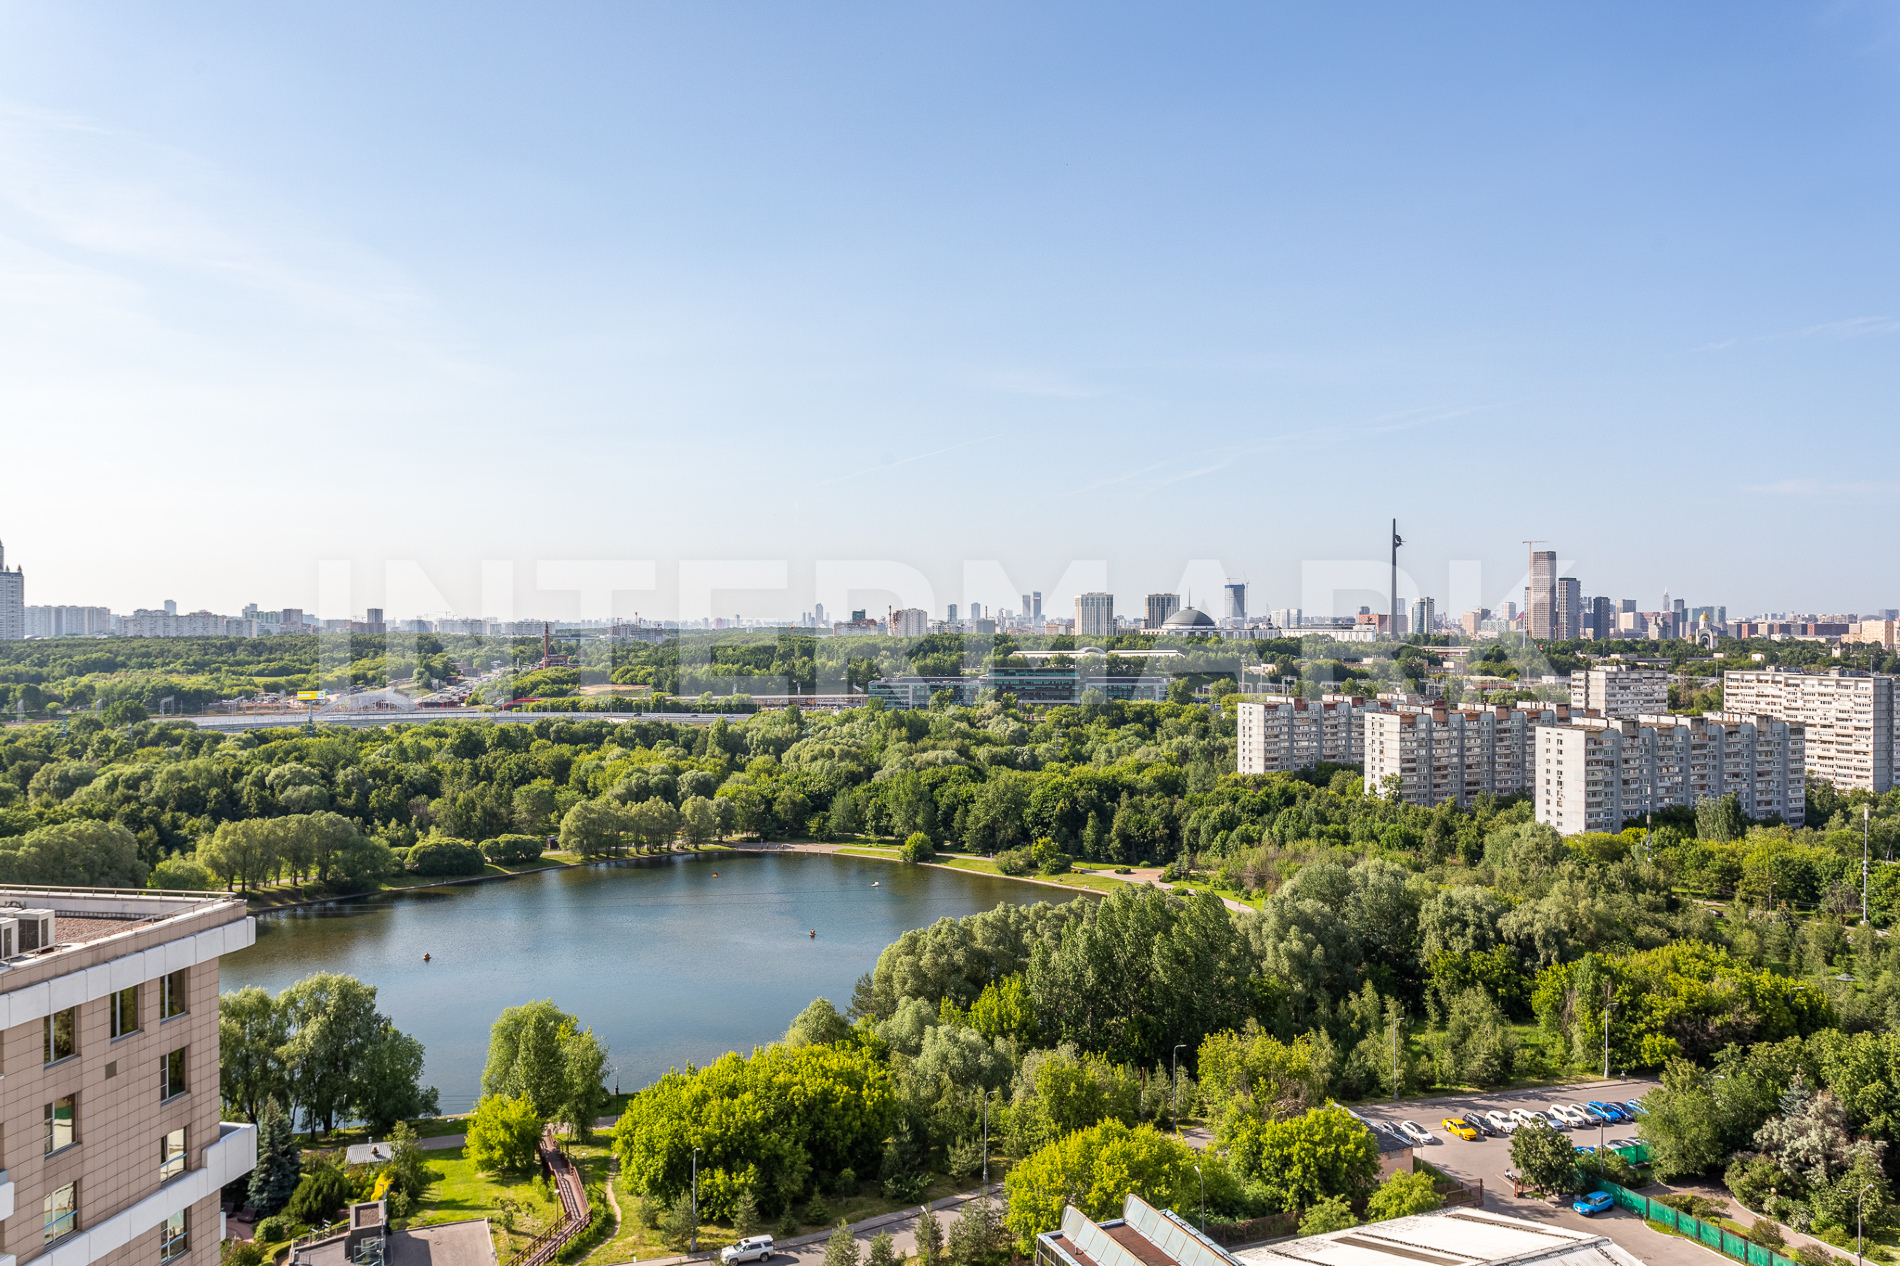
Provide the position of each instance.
(1473, 1126)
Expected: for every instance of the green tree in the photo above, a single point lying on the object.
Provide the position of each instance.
(593, 828)
(251, 1034)
(1095, 1170)
(1402, 1195)
(699, 821)
(344, 1058)
(1329, 1213)
(818, 1023)
(883, 1251)
(279, 1163)
(842, 1248)
(929, 1236)
(917, 848)
(1322, 1152)
(505, 1135)
(182, 873)
(978, 1237)
(79, 854)
(540, 1053)
(1545, 1158)
(318, 1198)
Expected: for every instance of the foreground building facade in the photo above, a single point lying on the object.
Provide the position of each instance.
(1849, 718)
(109, 1098)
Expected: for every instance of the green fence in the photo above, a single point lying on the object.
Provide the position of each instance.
(1707, 1233)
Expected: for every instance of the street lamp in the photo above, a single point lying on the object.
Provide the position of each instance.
(693, 1243)
(1859, 1196)
(1174, 1090)
(1203, 1178)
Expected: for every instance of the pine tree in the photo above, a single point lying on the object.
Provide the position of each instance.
(279, 1163)
(929, 1236)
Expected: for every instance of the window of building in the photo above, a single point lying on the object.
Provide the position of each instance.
(171, 1155)
(62, 1034)
(171, 994)
(60, 1211)
(125, 1011)
(171, 1236)
(171, 1073)
(62, 1123)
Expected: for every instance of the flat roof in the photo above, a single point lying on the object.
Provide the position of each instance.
(1446, 1237)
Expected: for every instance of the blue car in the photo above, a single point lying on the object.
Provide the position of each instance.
(1636, 1108)
(1591, 1205)
(1611, 1112)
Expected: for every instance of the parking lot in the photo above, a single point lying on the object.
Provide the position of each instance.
(1490, 1158)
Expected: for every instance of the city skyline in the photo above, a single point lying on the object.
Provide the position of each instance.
(1071, 283)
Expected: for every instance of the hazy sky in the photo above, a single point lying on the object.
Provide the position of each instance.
(1186, 289)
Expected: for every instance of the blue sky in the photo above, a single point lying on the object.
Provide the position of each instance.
(1186, 289)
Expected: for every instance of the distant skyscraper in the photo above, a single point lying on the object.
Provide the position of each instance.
(952, 615)
(1540, 599)
(1161, 606)
(1602, 618)
(1424, 615)
(1569, 623)
(1236, 599)
(1094, 614)
(12, 600)
(1036, 598)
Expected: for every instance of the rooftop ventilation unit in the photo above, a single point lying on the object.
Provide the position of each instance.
(9, 938)
(35, 930)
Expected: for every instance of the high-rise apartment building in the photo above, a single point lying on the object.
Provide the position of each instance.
(1424, 615)
(1568, 623)
(1094, 615)
(12, 600)
(1276, 733)
(1619, 692)
(1601, 620)
(1540, 598)
(68, 621)
(1235, 594)
(909, 622)
(1160, 607)
(109, 1022)
(1439, 754)
(1595, 774)
(1849, 718)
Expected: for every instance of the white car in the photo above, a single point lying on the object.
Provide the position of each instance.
(1527, 1117)
(1416, 1133)
(1501, 1123)
(753, 1248)
(1571, 1116)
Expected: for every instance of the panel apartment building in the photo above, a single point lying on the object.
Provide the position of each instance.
(1456, 754)
(109, 1097)
(1849, 717)
(1596, 773)
(1278, 732)
(1620, 692)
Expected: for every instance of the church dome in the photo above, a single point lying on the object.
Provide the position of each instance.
(1188, 618)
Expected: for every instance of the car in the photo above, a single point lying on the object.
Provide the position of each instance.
(1413, 1132)
(1501, 1122)
(1463, 1129)
(1591, 1115)
(1525, 1117)
(1568, 1115)
(1609, 1111)
(1479, 1122)
(753, 1248)
(1636, 1108)
(1591, 1205)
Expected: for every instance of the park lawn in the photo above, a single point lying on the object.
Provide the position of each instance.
(983, 866)
(460, 1192)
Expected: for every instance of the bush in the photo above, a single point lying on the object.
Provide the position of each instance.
(243, 1253)
(513, 848)
(917, 848)
(505, 1135)
(1330, 1213)
(318, 1198)
(1015, 861)
(439, 856)
(1175, 871)
(277, 1228)
(1767, 1233)
(1403, 1195)
(1815, 1255)
(181, 872)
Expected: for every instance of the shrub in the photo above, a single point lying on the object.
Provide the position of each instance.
(1815, 1255)
(1767, 1233)
(513, 848)
(1403, 1195)
(505, 1136)
(1015, 861)
(277, 1228)
(439, 856)
(318, 1198)
(181, 871)
(917, 848)
(1330, 1213)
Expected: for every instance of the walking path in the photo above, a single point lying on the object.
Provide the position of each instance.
(809, 1250)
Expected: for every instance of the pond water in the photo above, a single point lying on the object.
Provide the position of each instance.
(668, 959)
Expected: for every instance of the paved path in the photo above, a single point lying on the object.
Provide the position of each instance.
(809, 1250)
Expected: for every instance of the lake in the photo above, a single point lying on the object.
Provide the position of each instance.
(670, 960)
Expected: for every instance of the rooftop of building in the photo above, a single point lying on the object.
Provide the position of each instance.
(466, 1243)
(1188, 618)
(1448, 1237)
(87, 921)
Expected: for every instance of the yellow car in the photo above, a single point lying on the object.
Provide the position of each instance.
(1458, 1126)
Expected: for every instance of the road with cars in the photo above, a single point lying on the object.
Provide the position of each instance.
(1489, 1159)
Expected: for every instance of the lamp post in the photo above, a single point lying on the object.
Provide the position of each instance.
(986, 1138)
(1174, 1089)
(1203, 1178)
(1858, 1197)
(693, 1243)
(1606, 1030)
